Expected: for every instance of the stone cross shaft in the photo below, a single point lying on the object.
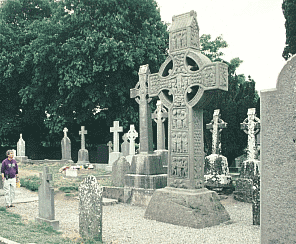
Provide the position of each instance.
(140, 93)
(132, 135)
(251, 126)
(82, 133)
(185, 84)
(216, 127)
(116, 129)
(65, 132)
(159, 116)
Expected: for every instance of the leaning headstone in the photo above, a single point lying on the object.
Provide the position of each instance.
(90, 209)
(125, 146)
(132, 134)
(46, 200)
(20, 155)
(216, 172)
(249, 168)
(113, 156)
(83, 153)
(278, 159)
(119, 169)
(185, 84)
(66, 147)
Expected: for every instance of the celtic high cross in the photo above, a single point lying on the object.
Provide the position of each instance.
(185, 83)
(216, 127)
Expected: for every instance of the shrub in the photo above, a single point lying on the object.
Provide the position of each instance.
(32, 182)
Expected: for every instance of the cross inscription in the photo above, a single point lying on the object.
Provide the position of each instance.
(251, 126)
(185, 84)
(116, 129)
(140, 93)
(82, 133)
(216, 127)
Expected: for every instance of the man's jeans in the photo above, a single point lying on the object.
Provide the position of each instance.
(9, 189)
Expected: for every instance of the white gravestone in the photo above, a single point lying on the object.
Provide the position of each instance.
(66, 147)
(83, 153)
(20, 154)
(113, 156)
(71, 172)
(131, 136)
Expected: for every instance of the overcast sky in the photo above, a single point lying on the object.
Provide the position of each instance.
(253, 29)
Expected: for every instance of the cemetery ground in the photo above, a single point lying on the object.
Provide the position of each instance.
(122, 223)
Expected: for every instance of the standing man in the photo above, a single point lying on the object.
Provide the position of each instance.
(9, 172)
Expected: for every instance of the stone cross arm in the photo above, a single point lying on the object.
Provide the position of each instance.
(222, 125)
(244, 126)
(211, 76)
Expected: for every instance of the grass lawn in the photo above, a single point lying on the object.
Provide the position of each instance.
(29, 176)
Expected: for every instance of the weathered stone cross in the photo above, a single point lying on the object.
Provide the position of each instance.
(216, 127)
(116, 129)
(132, 135)
(159, 116)
(185, 83)
(140, 92)
(251, 126)
(65, 132)
(82, 133)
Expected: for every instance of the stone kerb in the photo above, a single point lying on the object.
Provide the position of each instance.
(46, 200)
(90, 209)
(278, 159)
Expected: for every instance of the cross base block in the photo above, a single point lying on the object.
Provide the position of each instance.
(186, 207)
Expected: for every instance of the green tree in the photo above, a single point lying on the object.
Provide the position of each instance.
(85, 60)
(289, 11)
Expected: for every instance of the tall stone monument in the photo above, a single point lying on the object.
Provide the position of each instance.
(66, 147)
(216, 166)
(159, 116)
(278, 158)
(83, 153)
(46, 200)
(185, 83)
(21, 151)
(250, 168)
(113, 156)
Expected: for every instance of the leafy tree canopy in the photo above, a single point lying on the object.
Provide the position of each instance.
(289, 11)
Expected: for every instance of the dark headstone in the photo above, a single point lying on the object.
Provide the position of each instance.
(102, 154)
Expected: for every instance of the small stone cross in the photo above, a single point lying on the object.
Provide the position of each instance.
(251, 126)
(216, 127)
(159, 116)
(116, 129)
(132, 135)
(65, 132)
(82, 133)
(110, 144)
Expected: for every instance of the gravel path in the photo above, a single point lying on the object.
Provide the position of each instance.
(123, 223)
